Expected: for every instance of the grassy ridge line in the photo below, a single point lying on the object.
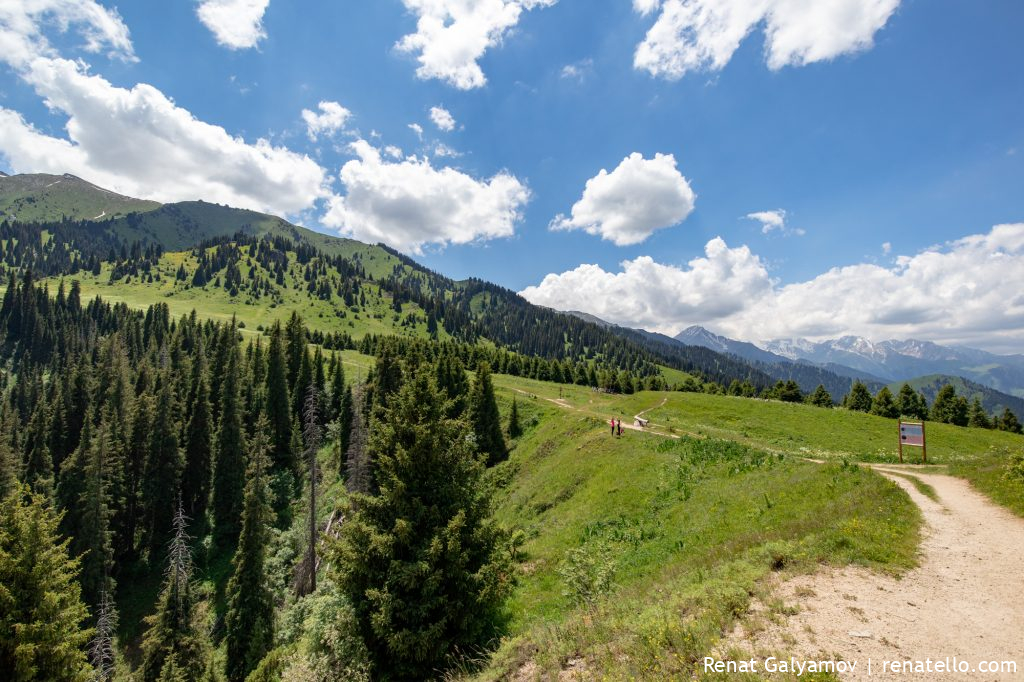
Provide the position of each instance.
(776, 426)
(674, 536)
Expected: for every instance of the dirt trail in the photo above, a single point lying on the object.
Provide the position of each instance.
(631, 426)
(965, 600)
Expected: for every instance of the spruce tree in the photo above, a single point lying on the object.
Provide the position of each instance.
(858, 399)
(977, 416)
(229, 459)
(420, 561)
(249, 622)
(514, 428)
(171, 639)
(358, 468)
(164, 463)
(820, 397)
(884, 405)
(1008, 422)
(41, 612)
(278, 403)
(484, 417)
(196, 479)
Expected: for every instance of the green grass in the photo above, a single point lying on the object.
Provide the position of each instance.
(213, 302)
(919, 485)
(669, 538)
(41, 197)
(991, 473)
(797, 429)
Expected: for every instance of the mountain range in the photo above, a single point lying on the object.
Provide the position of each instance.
(94, 222)
(997, 379)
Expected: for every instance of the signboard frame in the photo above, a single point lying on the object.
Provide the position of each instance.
(923, 445)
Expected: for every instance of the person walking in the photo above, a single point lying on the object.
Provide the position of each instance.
(613, 426)
(620, 427)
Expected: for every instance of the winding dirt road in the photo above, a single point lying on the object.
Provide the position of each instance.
(964, 601)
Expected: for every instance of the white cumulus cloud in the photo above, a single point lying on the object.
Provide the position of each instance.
(633, 201)
(330, 119)
(138, 142)
(452, 35)
(442, 118)
(410, 203)
(23, 28)
(775, 221)
(235, 24)
(696, 35)
(416, 128)
(963, 292)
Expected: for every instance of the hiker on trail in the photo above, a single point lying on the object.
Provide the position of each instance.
(613, 426)
(620, 427)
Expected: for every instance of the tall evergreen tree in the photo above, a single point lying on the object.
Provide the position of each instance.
(229, 460)
(359, 476)
(949, 408)
(249, 621)
(884, 405)
(196, 479)
(41, 612)
(514, 428)
(171, 638)
(164, 463)
(858, 399)
(977, 416)
(820, 397)
(278, 403)
(484, 417)
(1008, 422)
(420, 561)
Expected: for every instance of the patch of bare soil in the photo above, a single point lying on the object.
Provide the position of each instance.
(965, 601)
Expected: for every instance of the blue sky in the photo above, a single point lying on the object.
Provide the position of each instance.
(879, 136)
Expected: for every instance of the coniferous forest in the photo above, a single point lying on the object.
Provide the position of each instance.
(136, 448)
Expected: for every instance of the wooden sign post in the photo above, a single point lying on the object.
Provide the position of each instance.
(912, 434)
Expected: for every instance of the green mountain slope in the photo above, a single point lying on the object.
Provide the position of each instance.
(42, 197)
(992, 400)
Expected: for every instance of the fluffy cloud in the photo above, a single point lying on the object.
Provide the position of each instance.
(694, 35)
(442, 118)
(23, 26)
(409, 203)
(451, 35)
(416, 128)
(966, 291)
(627, 205)
(138, 142)
(331, 119)
(236, 24)
(775, 221)
(653, 296)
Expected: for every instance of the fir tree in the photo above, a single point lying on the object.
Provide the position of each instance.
(195, 483)
(978, 417)
(884, 405)
(164, 464)
(909, 403)
(249, 622)
(420, 561)
(514, 429)
(229, 460)
(949, 408)
(858, 399)
(41, 612)
(1008, 422)
(171, 639)
(484, 417)
(820, 397)
(278, 403)
(359, 477)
